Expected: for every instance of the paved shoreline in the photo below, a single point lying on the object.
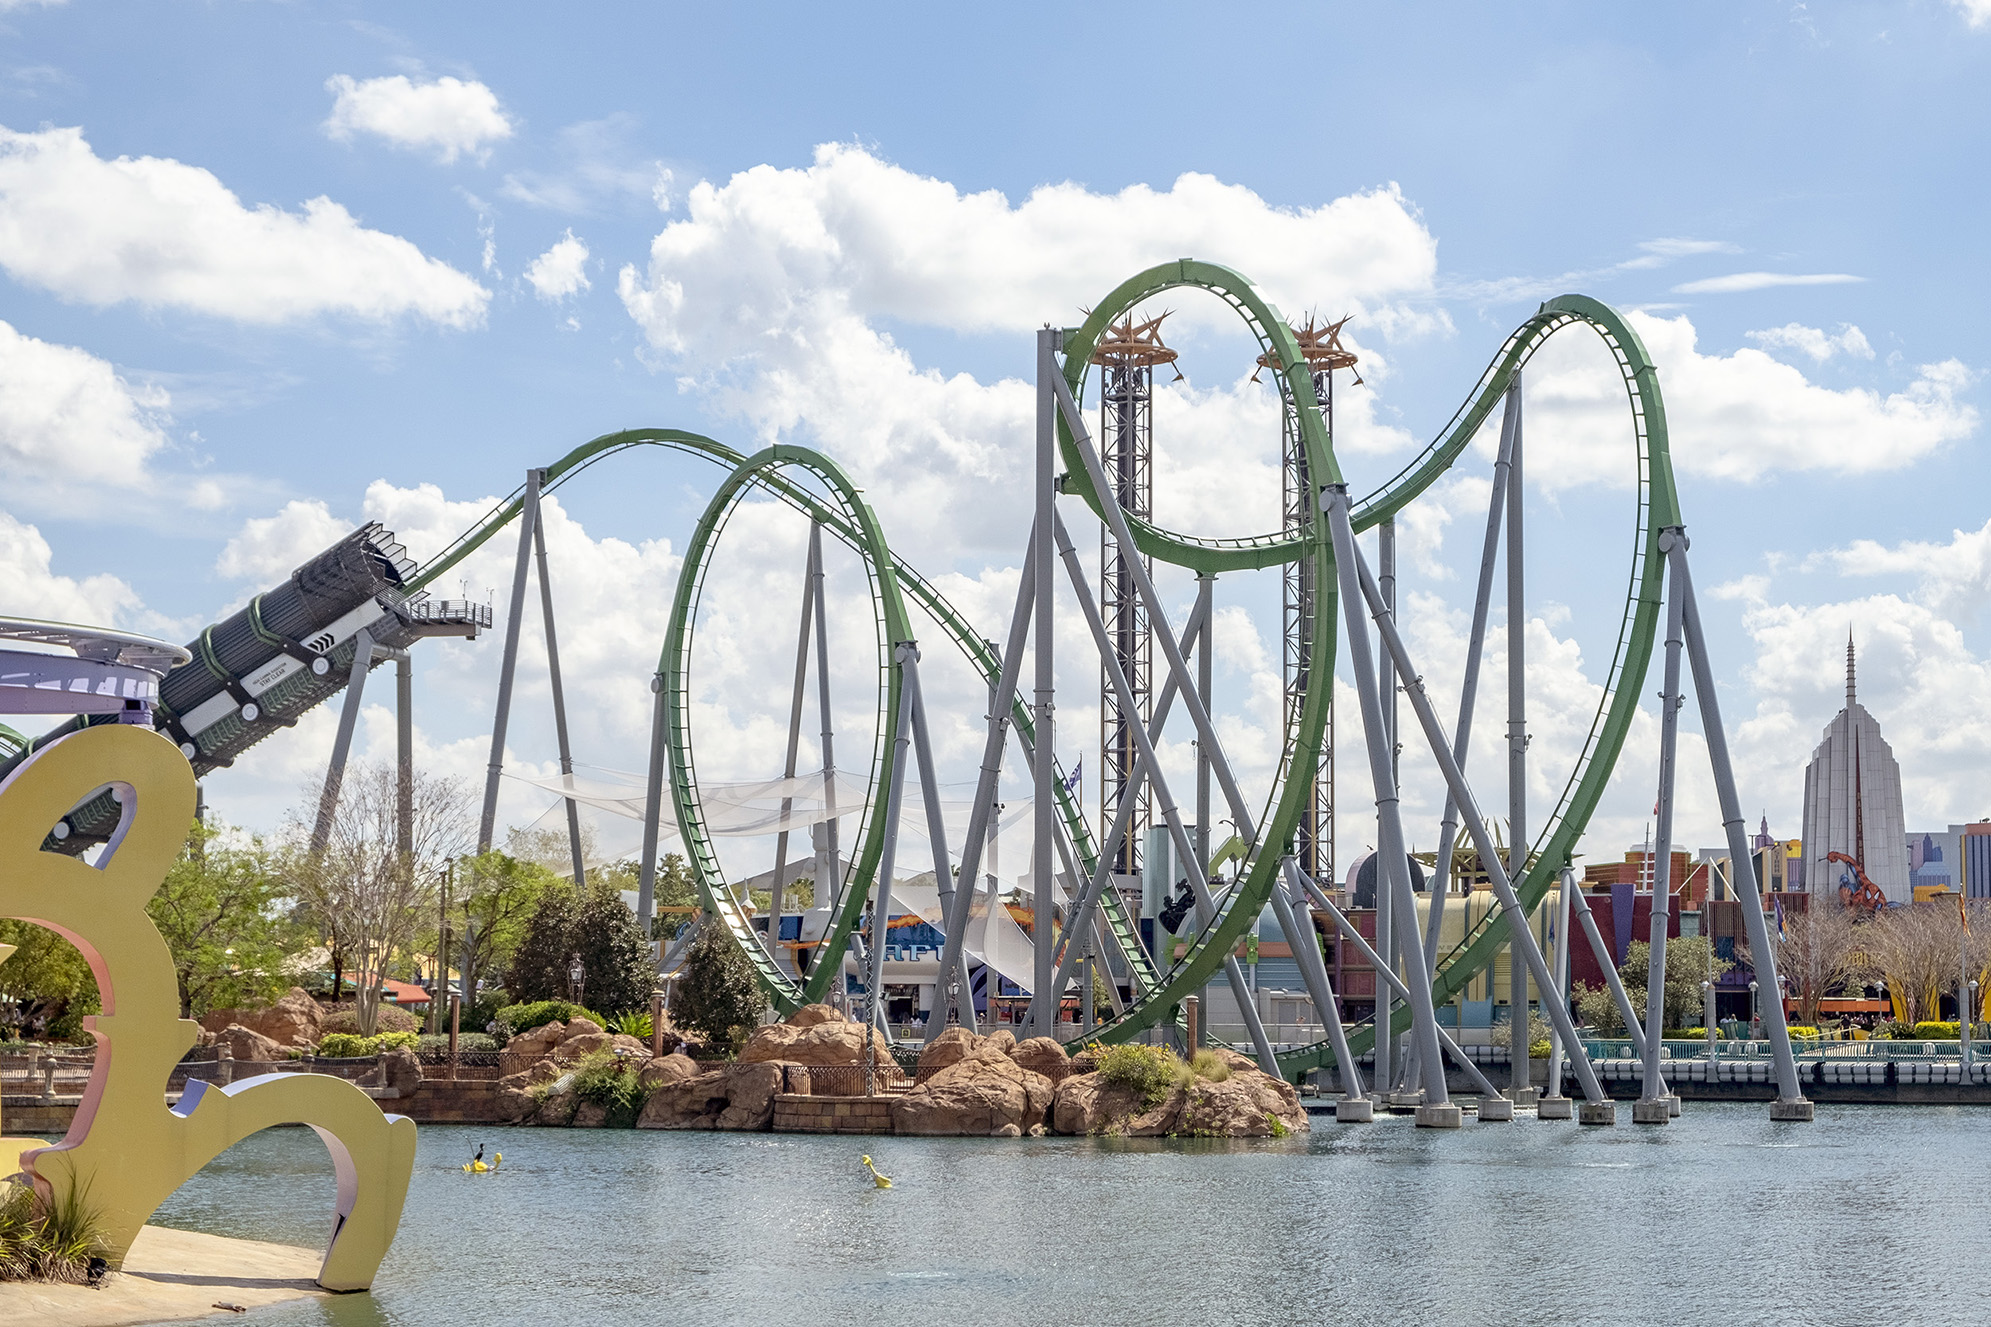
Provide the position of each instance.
(169, 1275)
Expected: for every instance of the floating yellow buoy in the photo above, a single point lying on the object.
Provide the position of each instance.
(882, 1181)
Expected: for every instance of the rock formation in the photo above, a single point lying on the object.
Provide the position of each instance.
(295, 1020)
(1248, 1103)
(983, 1094)
(740, 1096)
(816, 1035)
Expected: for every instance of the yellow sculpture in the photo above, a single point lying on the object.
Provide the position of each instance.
(127, 1145)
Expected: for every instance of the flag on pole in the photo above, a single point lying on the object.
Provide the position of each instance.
(1078, 772)
(1963, 914)
(1779, 903)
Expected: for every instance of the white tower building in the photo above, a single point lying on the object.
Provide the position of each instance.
(1852, 803)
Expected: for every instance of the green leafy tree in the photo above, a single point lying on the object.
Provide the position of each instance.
(503, 892)
(48, 982)
(596, 925)
(221, 913)
(716, 994)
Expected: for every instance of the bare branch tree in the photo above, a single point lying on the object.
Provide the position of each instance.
(369, 898)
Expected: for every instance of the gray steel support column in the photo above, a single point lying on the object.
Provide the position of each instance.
(1434, 735)
(1560, 963)
(1448, 829)
(559, 699)
(1392, 866)
(653, 811)
(1123, 814)
(1386, 1069)
(1043, 998)
(528, 521)
(1171, 814)
(1305, 944)
(1670, 701)
(1206, 585)
(983, 809)
(1517, 744)
(780, 883)
(342, 745)
(829, 867)
(1610, 967)
(1362, 946)
(936, 833)
(404, 759)
(881, 907)
(1731, 816)
(1116, 520)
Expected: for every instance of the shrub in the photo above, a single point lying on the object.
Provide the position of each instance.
(632, 1024)
(717, 993)
(1809, 1033)
(41, 1241)
(389, 1019)
(1930, 1031)
(1147, 1071)
(348, 1045)
(516, 1018)
(607, 1079)
(430, 1044)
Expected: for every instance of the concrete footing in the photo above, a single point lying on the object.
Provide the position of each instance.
(1494, 1110)
(1402, 1103)
(1524, 1096)
(1446, 1116)
(1654, 1111)
(1596, 1112)
(1673, 1104)
(1354, 1110)
(1798, 1111)
(1554, 1108)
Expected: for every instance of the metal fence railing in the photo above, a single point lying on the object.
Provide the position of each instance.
(1612, 1048)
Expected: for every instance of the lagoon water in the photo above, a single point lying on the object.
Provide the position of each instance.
(1871, 1215)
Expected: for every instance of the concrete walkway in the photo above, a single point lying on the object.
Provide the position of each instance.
(170, 1274)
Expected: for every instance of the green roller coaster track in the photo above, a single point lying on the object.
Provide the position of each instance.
(841, 511)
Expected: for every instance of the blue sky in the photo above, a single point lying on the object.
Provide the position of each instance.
(864, 211)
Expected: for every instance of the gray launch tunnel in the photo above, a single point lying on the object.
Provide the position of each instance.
(258, 671)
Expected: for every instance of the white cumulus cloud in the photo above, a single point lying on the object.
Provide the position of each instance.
(1977, 13)
(449, 115)
(269, 548)
(33, 588)
(161, 233)
(1737, 416)
(561, 271)
(1812, 341)
(67, 418)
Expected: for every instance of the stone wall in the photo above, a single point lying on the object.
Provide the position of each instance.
(809, 1114)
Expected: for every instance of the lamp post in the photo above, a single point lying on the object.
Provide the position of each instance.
(1755, 1012)
(954, 1001)
(1964, 1026)
(1707, 1015)
(577, 978)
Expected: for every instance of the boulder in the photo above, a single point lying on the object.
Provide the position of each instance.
(1003, 1041)
(986, 1094)
(624, 1044)
(740, 1096)
(581, 1027)
(590, 1115)
(669, 1069)
(811, 1014)
(397, 1071)
(840, 1042)
(538, 1041)
(950, 1047)
(1086, 1104)
(514, 1103)
(585, 1044)
(294, 1020)
(558, 1108)
(247, 1044)
(1248, 1104)
(1042, 1055)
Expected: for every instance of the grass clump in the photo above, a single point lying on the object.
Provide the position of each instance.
(43, 1241)
(517, 1018)
(612, 1081)
(1208, 1064)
